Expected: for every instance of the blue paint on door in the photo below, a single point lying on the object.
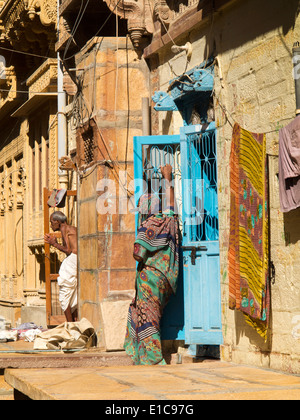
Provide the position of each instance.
(194, 313)
(200, 244)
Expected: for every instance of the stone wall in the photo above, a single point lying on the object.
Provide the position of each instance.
(115, 80)
(253, 41)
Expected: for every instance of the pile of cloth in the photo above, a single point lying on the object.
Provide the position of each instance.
(27, 332)
(8, 335)
(67, 336)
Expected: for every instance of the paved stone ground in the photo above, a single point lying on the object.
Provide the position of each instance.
(212, 380)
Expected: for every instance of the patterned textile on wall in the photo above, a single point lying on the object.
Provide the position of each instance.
(248, 265)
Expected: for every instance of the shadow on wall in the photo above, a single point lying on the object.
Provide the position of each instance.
(243, 329)
(248, 21)
(253, 18)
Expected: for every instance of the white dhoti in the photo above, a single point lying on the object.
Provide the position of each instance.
(67, 282)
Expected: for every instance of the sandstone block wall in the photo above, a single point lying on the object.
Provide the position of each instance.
(253, 41)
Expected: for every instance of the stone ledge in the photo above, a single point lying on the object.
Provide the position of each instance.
(56, 360)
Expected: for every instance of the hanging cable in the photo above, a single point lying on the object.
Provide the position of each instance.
(66, 58)
(76, 25)
(25, 53)
(26, 92)
(97, 33)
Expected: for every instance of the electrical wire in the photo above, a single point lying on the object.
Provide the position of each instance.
(76, 25)
(66, 58)
(26, 91)
(97, 33)
(80, 99)
(25, 53)
(74, 29)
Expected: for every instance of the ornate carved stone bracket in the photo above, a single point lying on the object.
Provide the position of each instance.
(2, 197)
(20, 188)
(138, 14)
(45, 9)
(11, 195)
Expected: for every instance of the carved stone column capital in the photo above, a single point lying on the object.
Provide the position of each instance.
(138, 14)
(45, 9)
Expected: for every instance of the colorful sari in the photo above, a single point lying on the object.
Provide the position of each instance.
(249, 226)
(156, 249)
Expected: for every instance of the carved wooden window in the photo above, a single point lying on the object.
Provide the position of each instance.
(88, 139)
(88, 146)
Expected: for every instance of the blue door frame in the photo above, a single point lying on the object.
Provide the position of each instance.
(194, 313)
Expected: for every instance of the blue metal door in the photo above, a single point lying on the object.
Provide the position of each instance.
(194, 313)
(200, 244)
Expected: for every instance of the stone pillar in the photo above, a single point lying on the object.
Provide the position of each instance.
(114, 90)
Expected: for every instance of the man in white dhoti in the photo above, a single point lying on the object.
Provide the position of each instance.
(67, 280)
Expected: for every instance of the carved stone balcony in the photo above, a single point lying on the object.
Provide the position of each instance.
(27, 27)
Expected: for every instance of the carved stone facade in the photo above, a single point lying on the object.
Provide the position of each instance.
(44, 79)
(28, 151)
(27, 24)
(45, 9)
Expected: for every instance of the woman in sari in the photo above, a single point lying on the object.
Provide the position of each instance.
(156, 250)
